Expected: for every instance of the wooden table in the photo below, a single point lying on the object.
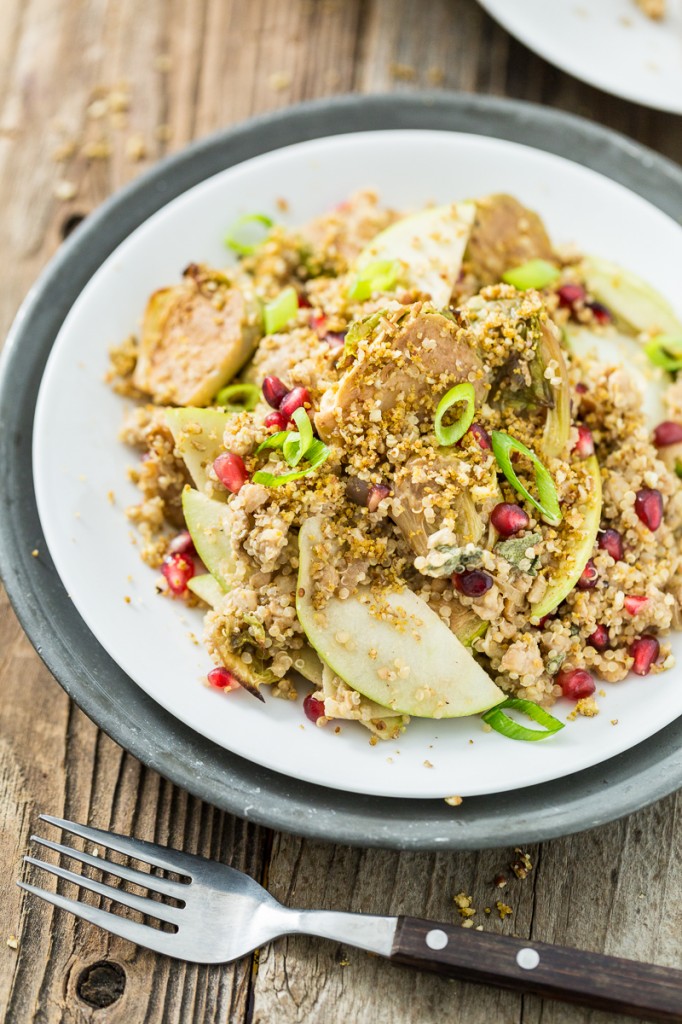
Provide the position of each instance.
(190, 67)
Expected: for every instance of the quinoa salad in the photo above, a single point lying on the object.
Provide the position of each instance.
(413, 463)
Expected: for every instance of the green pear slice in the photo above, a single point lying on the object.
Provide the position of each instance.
(612, 348)
(633, 302)
(391, 648)
(198, 436)
(428, 245)
(308, 664)
(207, 588)
(209, 523)
(577, 544)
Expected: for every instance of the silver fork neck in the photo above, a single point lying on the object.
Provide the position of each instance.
(364, 931)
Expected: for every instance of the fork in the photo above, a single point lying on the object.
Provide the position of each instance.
(220, 914)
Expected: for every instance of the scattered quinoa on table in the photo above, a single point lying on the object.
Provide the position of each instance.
(426, 461)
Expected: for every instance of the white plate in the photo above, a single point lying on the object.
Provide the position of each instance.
(607, 43)
(78, 461)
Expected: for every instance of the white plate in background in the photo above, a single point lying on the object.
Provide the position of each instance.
(607, 43)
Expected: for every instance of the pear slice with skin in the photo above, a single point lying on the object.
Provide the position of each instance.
(209, 523)
(578, 545)
(613, 348)
(307, 663)
(207, 588)
(429, 246)
(198, 436)
(392, 647)
(634, 303)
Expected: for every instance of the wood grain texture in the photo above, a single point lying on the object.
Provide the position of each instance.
(191, 67)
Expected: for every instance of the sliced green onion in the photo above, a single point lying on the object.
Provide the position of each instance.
(236, 397)
(239, 236)
(533, 274)
(460, 393)
(298, 441)
(380, 276)
(281, 310)
(678, 468)
(274, 441)
(547, 502)
(665, 350)
(317, 453)
(502, 723)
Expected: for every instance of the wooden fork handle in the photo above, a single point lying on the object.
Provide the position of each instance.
(555, 972)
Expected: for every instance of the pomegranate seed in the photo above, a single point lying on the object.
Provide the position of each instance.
(612, 542)
(376, 495)
(508, 519)
(581, 388)
(295, 399)
(276, 419)
(178, 570)
(481, 435)
(231, 471)
(472, 582)
(182, 544)
(335, 339)
(634, 603)
(600, 313)
(303, 301)
(588, 577)
(222, 679)
(318, 323)
(576, 683)
(644, 650)
(570, 295)
(313, 707)
(357, 490)
(274, 391)
(649, 507)
(584, 446)
(544, 620)
(667, 433)
(599, 639)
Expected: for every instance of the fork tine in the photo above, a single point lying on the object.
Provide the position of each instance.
(153, 908)
(178, 890)
(142, 934)
(140, 849)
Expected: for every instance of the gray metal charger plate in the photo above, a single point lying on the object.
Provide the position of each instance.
(616, 787)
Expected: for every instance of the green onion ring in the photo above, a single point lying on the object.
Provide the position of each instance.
(317, 453)
(274, 441)
(505, 725)
(281, 310)
(547, 502)
(533, 274)
(665, 350)
(380, 276)
(460, 393)
(238, 244)
(238, 397)
(298, 442)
